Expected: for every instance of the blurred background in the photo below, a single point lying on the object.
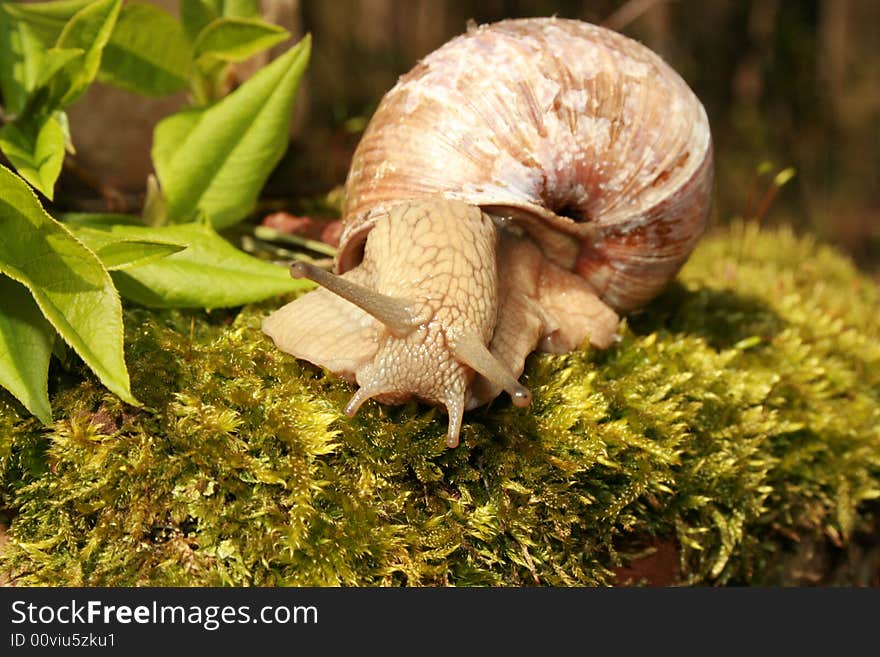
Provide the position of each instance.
(794, 83)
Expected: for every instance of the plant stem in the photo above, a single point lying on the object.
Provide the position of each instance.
(272, 235)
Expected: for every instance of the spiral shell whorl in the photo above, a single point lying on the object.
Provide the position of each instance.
(571, 124)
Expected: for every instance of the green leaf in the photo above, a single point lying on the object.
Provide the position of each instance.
(169, 134)
(128, 254)
(71, 287)
(124, 253)
(153, 212)
(216, 160)
(148, 52)
(19, 53)
(96, 220)
(89, 29)
(77, 30)
(236, 39)
(61, 117)
(25, 347)
(209, 273)
(195, 15)
(55, 60)
(35, 147)
(46, 19)
(236, 8)
(34, 139)
(55, 68)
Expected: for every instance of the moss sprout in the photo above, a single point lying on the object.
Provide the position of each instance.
(735, 428)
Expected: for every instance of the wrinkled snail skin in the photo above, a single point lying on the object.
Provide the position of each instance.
(519, 188)
(437, 320)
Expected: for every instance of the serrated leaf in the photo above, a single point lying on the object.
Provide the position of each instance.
(71, 287)
(216, 160)
(209, 273)
(148, 52)
(25, 347)
(89, 29)
(236, 39)
(35, 147)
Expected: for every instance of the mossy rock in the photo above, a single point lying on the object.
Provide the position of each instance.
(731, 437)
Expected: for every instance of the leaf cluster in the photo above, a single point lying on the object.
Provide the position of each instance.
(738, 420)
(64, 278)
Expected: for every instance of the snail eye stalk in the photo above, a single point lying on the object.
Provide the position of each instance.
(393, 313)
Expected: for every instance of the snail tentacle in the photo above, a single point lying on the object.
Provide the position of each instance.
(357, 400)
(393, 313)
(468, 349)
(455, 410)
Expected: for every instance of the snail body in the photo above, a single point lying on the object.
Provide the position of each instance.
(520, 187)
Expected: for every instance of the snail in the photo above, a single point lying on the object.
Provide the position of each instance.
(519, 189)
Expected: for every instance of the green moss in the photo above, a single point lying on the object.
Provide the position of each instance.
(737, 420)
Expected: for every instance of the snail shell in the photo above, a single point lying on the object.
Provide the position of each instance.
(517, 189)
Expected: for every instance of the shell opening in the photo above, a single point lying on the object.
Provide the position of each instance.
(573, 212)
